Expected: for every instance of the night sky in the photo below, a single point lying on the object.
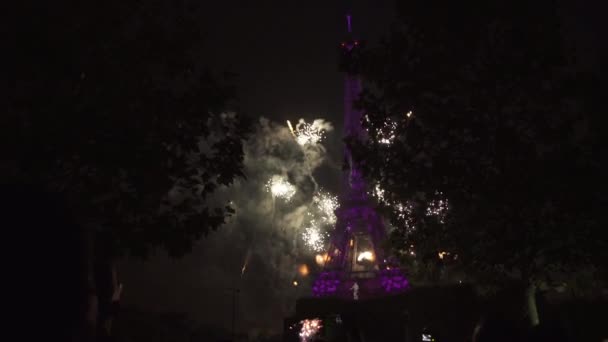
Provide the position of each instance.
(285, 54)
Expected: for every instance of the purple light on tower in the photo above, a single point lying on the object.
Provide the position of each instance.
(354, 253)
(348, 23)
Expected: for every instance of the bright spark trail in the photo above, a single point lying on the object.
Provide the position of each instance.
(306, 133)
(245, 262)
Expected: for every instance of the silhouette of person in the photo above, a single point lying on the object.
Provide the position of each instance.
(355, 289)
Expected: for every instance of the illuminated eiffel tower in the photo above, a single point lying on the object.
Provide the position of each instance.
(354, 255)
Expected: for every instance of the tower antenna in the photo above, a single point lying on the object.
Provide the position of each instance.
(348, 23)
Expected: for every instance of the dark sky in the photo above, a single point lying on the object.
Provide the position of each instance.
(286, 51)
(285, 55)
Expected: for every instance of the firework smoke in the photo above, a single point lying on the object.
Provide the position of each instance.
(265, 274)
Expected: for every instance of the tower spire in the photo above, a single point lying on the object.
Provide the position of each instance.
(348, 23)
(355, 260)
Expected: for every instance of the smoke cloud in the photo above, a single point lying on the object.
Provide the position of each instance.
(257, 252)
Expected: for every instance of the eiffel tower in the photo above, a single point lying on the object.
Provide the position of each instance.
(354, 255)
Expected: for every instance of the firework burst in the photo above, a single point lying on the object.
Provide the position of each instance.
(314, 237)
(438, 208)
(378, 192)
(279, 187)
(326, 204)
(386, 135)
(310, 327)
(307, 134)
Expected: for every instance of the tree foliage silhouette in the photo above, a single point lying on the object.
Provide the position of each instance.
(113, 106)
(500, 126)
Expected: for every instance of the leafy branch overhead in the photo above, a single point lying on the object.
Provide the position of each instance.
(485, 110)
(123, 117)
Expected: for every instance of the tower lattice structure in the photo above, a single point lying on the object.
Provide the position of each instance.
(355, 255)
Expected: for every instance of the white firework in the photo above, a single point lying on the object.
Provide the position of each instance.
(326, 204)
(438, 208)
(404, 211)
(386, 135)
(306, 133)
(405, 214)
(279, 187)
(378, 192)
(313, 237)
(310, 327)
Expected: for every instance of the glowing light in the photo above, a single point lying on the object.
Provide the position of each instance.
(295, 283)
(306, 133)
(441, 255)
(367, 255)
(327, 283)
(310, 328)
(392, 280)
(314, 238)
(351, 242)
(303, 270)
(320, 259)
(327, 205)
(291, 128)
(280, 188)
(409, 114)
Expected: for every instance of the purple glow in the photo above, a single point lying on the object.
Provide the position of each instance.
(338, 284)
(326, 284)
(359, 228)
(348, 23)
(392, 280)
